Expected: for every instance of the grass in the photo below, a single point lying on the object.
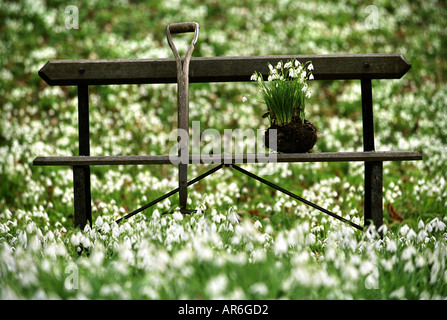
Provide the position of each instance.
(220, 251)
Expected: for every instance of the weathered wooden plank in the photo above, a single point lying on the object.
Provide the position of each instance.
(219, 69)
(234, 158)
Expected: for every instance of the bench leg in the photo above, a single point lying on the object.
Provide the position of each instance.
(373, 206)
(82, 196)
(81, 174)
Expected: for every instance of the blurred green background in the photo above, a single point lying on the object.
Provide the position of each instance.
(40, 120)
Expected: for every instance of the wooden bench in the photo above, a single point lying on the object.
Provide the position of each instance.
(362, 67)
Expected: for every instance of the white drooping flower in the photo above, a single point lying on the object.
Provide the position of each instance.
(75, 239)
(292, 73)
(178, 216)
(259, 288)
(408, 252)
(404, 229)
(280, 246)
(391, 246)
(421, 224)
(85, 241)
(216, 286)
(310, 238)
(233, 216)
(99, 221)
(437, 224)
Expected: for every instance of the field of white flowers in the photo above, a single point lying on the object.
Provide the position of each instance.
(245, 241)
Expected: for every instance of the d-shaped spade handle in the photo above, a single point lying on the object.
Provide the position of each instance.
(182, 27)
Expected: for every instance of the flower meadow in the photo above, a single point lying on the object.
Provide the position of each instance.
(245, 241)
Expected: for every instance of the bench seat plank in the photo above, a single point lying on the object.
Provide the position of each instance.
(231, 158)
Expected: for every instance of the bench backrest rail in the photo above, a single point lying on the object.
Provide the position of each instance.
(219, 69)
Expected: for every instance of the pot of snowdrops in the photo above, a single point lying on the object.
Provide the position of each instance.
(284, 95)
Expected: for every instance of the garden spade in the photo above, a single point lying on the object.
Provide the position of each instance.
(182, 101)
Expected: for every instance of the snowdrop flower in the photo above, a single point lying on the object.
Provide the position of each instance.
(85, 241)
(257, 224)
(98, 255)
(115, 231)
(310, 66)
(99, 221)
(411, 234)
(280, 247)
(311, 77)
(259, 288)
(387, 264)
(404, 230)
(233, 216)
(421, 224)
(105, 228)
(217, 285)
(125, 253)
(422, 235)
(34, 243)
(409, 266)
(178, 216)
(383, 228)
(399, 293)
(216, 218)
(292, 73)
(437, 224)
(75, 239)
(49, 236)
(23, 239)
(244, 98)
(350, 272)
(87, 228)
(367, 267)
(408, 252)
(420, 261)
(31, 227)
(310, 238)
(372, 281)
